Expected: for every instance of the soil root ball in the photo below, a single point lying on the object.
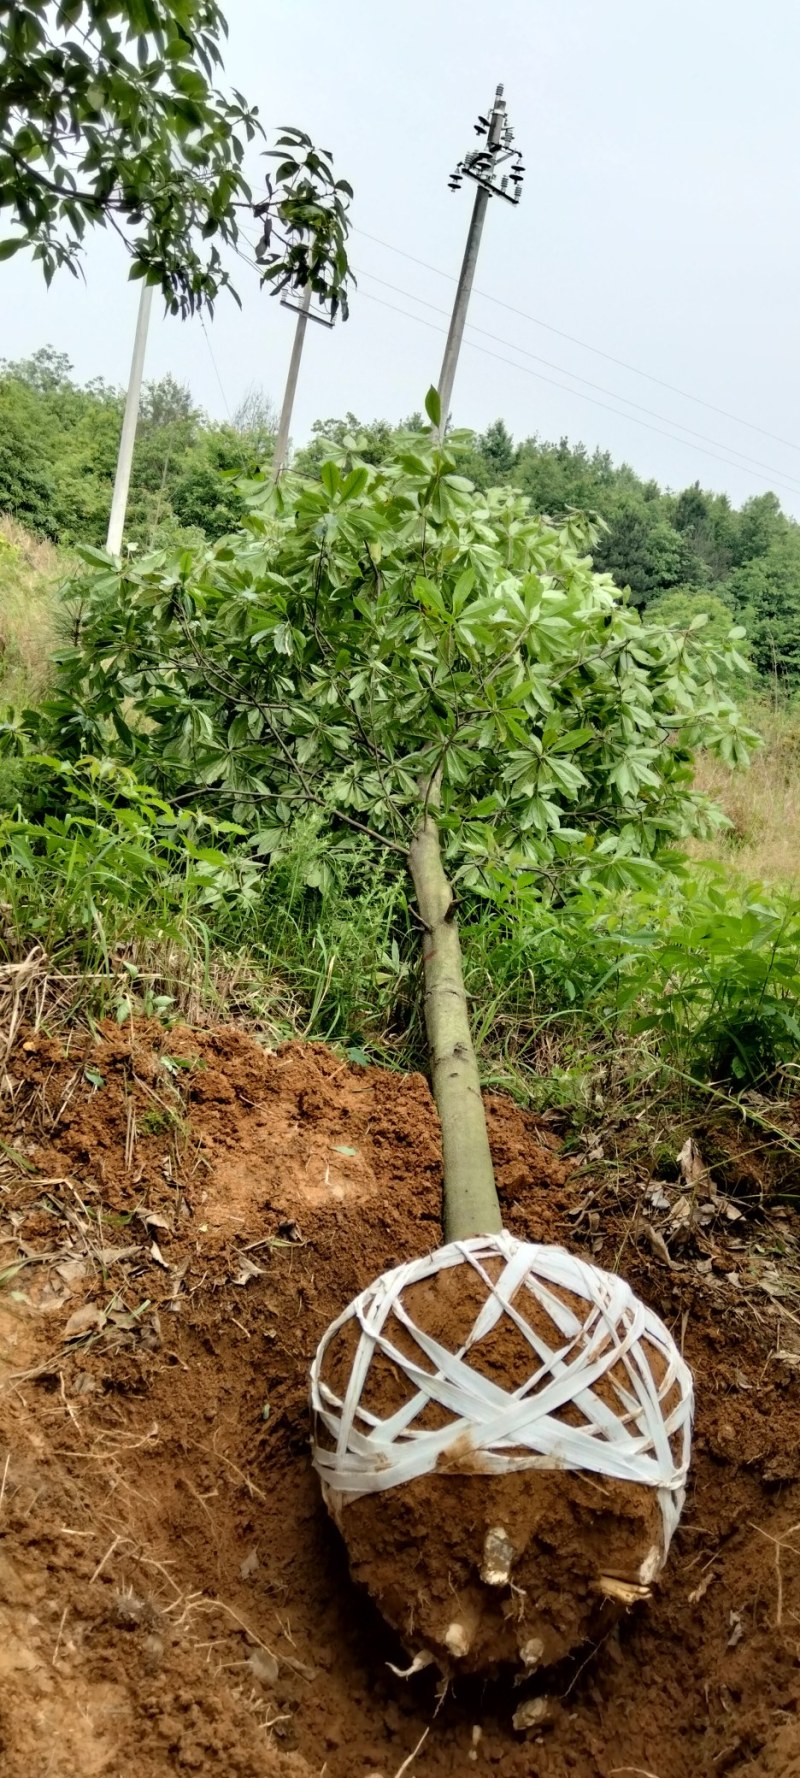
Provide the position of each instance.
(502, 1433)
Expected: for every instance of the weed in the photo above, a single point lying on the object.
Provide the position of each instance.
(31, 623)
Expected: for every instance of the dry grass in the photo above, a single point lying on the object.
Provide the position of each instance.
(762, 803)
(31, 572)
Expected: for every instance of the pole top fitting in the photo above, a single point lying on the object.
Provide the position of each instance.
(497, 165)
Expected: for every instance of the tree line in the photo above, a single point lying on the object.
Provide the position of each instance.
(679, 553)
(58, 453)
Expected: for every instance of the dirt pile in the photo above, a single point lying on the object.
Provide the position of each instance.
(181, 1216)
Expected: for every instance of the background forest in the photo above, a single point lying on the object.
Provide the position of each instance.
(678, 553)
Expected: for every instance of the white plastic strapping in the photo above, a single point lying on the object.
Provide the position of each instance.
(645, 1437)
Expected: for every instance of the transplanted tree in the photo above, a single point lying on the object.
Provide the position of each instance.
(439, 671)
(109, 115)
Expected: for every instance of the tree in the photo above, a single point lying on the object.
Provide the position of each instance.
(26, 480)
(764, 595)
(438, 672)
(560, 477)
(60, 439)
(256, 421)
(345, 441)
(58, 450)
(644, 552)
(497, 446)
(761, 523)
(709, 524)
(109, 116)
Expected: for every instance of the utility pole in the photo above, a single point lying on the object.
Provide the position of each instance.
(484, 166)
(304, 314)
(285, 421)
(122, 479)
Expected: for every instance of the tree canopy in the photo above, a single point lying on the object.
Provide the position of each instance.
(386, 625)
(109, 115)
(685, 553)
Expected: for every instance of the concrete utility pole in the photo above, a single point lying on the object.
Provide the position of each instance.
(305, 313)
(285, 421)
(122, 479)
(483, 165)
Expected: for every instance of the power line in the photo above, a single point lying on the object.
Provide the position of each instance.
(728, 462)
(585, 346)
(513, 346)
(524, 371)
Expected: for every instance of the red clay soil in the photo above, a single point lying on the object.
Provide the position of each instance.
(181, 1215)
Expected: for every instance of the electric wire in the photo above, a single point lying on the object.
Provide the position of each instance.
(771, 480)
(585, 345)
(718, 443)
(774, 478)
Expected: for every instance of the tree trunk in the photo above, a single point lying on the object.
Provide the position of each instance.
(470, 1198)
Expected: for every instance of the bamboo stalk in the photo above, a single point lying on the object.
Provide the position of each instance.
(471, 1204)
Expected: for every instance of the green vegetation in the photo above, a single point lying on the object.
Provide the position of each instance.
(185, 805)
(692, 547)
(31, 619)
(208, 751)
(108, 116)
(58, 452)
(680, 555)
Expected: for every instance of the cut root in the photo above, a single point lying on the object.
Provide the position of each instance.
(623, 1592)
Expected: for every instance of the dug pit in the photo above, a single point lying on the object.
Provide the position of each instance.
(173, 1596)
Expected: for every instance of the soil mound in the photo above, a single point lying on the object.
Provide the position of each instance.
(181, 1215)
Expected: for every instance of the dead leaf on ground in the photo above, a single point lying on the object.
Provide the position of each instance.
(71, 1272)
(658, 1244)
(693, 1168)
(110, 1256)
(247, 1270)
(88, 1319)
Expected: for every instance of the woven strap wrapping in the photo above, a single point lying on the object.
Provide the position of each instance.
(644, 1438)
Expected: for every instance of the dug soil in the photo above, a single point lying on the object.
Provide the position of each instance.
(181, 1215)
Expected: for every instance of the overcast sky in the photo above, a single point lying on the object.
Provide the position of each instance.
(659, 225)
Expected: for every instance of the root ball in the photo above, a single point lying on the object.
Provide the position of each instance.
(502, 1435)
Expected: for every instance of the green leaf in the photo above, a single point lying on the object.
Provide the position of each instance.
(433, 407)
(331, 479)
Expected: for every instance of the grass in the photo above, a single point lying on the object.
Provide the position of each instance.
(31, 572)
(762, 803)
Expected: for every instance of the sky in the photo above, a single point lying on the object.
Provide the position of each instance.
(658, 227)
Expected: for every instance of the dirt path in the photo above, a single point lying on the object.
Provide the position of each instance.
(181, 1215)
